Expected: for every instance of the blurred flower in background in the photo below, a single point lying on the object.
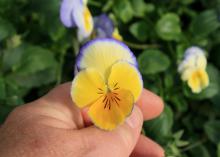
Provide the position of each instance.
(75, 13)
(104, 28)
(193, 69)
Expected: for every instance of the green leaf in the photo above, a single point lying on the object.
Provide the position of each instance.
(212, 129)
(32, 66)
(123, 10)
(160, 127)
(2, 88)
(47, 12)
(141, 8)
(153, 61)
(200, 151)
(218, 150)
(4, 111)
(168, 27)
(139, 30)
(6, 29)
(205, 23)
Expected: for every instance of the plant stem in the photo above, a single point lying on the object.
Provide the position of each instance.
(141, 46)
(194, 145)
(94, 3)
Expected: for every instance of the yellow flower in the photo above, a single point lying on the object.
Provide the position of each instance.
(193, 69)
(108, 82)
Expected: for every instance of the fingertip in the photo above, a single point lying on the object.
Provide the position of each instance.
(150, 104)
(147, 147)
(135, 120)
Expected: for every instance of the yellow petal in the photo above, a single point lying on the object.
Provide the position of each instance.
(125, 76)
(87, 87)
(116, 35)
(111, 109)
(88, 24)
(198, 80)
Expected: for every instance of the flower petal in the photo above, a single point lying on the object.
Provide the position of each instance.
(125, 76)
(87, 87)
(198, 81)
(104, 26)
(66, 10)
(103, 53)
(84, 21)
(108, 112)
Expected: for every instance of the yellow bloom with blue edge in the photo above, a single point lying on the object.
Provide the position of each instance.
(108, 82)
(193, 69)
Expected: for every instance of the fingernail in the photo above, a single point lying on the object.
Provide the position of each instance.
(136, 118)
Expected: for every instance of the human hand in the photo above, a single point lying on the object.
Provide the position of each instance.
(53, 127)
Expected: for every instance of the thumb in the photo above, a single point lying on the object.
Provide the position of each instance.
(119, 142)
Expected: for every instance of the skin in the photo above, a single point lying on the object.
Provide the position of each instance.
(53, 126)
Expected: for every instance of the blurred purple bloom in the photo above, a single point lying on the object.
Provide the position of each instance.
(67, 11)
(104, 26)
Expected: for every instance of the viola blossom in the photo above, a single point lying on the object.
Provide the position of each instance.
(108, 82)
(193, 69)
(104, 28)
(75, 13)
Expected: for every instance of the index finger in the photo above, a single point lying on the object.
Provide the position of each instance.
(150, 104)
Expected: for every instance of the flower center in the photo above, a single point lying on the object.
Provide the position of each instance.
(110, 96)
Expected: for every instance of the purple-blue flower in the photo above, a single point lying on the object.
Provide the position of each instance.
(75, 13)
(104, 26)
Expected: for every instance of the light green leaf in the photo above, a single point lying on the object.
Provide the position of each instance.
(123, 10)
(139, 30)
(153, 61)
(168, 27)
(141, 8)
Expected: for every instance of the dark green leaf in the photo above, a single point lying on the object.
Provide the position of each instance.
(31, 65)
(139, 30)
(161, 126)
(212, 129)
(218, 150)
(205, 23)
(200, 151)
(6, 29)
(153, 61)
(2, 88)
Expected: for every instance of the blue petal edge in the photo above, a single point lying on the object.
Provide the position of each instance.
(81, 52)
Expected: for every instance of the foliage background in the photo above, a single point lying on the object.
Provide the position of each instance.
(37, 53)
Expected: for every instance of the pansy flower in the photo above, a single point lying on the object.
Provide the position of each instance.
(193, 69)
(75, 13)
(104, 28)
(108, 82)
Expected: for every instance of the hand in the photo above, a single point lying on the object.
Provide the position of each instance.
(53, 126)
